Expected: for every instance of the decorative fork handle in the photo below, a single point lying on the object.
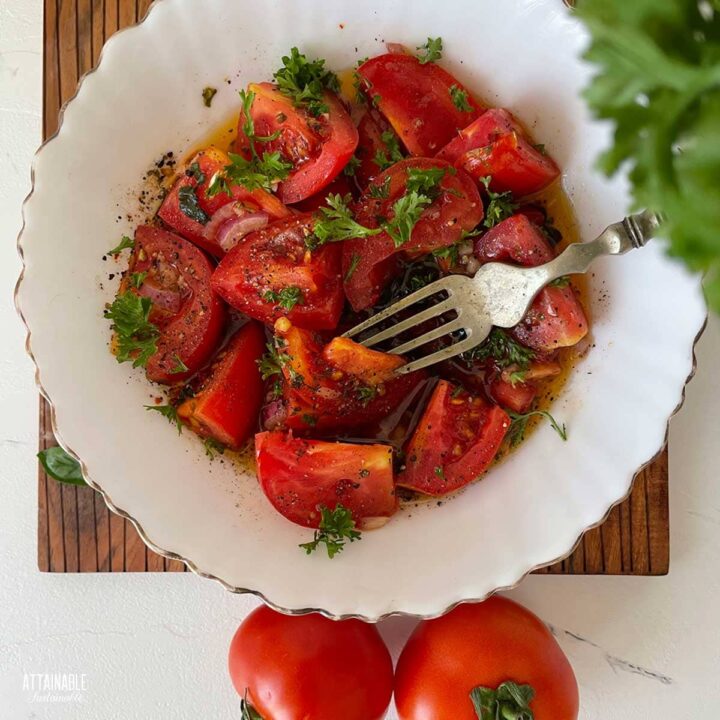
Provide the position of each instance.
(519, 286)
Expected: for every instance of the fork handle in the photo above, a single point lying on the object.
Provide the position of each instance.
(632, 232)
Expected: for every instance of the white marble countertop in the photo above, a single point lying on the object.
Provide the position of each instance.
(154, 646)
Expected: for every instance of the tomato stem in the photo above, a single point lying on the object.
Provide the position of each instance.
(509, 701)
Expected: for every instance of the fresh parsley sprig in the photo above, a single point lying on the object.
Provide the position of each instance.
(125, 243)
(272, 362)
(136, 336)
(257, 172)
(287, 298)
(305, 82)
(392, 153)
(658, 82)
(336, 526)
(336, 222)
(406, 211)
(432, 51)
(169, 412)
(460, 99)
(500, 205)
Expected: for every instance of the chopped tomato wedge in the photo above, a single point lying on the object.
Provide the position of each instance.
(369, 263)
(370, 366)
(317, 147)
(227, 405)
(370, 129)
(495, 145)
(341, 386)
(417, 100)
(272, 274)
(518, 396)
(455, 441)
(190, 316)
(300, 476)
(196, 180)
(514, 240)
(555, 319)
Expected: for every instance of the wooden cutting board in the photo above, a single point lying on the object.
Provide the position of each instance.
(76, 531)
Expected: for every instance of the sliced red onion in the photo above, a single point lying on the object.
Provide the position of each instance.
(396, 49)
(231, 223)
(225, 213)
(273, 415)
(233, 231)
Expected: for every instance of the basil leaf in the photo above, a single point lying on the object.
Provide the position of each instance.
(59, 465)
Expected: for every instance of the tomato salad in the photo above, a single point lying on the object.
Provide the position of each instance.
(329, 207)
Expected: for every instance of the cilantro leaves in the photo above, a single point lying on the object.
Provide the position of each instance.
(658, 81)
(336, 526)
(305, 82)
(136, 336)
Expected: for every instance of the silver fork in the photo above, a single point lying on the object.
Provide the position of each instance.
(498, 295)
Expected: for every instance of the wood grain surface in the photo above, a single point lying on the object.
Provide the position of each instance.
(77, 532)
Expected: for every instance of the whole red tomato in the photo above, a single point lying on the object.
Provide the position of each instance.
(483, 645)
(308, 667)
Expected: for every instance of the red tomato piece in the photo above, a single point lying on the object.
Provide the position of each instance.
(369, 263)
(417, 100)
(370, 130)
(514, 240)
(227, 405)
(318, 147)
(518, 396)
(482, 645)
(455, 441)
(341, 185)
(495, 145)
(210, 162)
(341, 386)
(370, 366)
(289, 668)
(556, 319)
(191, 317)
(256, 276)
(299, 476)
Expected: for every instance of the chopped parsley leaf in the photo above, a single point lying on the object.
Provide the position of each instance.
(305, 82)
(287, 298)
(125, 243)
(460, 98)
(136, 336)
(208, 94)
(335, 527)
(432, 51)
(167, 411)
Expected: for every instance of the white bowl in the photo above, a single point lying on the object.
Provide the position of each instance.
(144, 100)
